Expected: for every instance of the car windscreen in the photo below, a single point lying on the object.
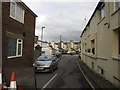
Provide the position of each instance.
(44, 58)
(56, 52)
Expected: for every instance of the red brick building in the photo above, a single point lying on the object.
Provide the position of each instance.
(18, 32)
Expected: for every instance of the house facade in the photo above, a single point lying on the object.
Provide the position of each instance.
(18, 32)
(100, 41)
(66, 45)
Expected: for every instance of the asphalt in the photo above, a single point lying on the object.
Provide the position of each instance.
(68, 76)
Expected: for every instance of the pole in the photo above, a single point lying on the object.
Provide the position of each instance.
(42, 37)
(60, 43)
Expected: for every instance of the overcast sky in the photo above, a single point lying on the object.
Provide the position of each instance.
(65, 18)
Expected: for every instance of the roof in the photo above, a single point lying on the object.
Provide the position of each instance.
(98, 6)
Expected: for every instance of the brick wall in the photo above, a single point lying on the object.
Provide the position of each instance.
(27, 30)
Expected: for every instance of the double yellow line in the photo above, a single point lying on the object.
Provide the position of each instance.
(85, 76)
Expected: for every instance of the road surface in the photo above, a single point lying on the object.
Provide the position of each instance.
(68, 75)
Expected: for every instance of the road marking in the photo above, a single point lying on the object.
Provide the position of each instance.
(85, 76)
(49, 81)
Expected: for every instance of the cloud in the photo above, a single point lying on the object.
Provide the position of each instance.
(63, 18)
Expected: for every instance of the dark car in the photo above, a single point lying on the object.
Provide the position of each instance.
(45, 63)
(64, 51)
(80, 55)
(57, 53)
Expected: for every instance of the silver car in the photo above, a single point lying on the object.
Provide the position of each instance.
(45, 63)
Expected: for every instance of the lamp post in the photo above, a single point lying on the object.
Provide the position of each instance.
(42, 36)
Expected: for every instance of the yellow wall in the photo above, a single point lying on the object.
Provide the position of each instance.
(105, 43)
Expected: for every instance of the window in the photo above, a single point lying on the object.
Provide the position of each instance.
(116, 4)
(88, 50)
(14, 47)
(16, 12)
(92, 65)
(100, 70)
(93, 46)
(102, 12)
(119, 41)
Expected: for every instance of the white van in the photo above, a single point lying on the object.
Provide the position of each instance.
(46, 51)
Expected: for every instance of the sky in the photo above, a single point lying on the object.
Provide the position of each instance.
(61, 17)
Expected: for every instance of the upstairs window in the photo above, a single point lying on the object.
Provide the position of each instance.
(116, 4)
(102, 11)
(16, 12)
(119, 41)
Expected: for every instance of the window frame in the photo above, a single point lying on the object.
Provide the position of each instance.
(115, 6)
(102, 11)
(23, 15)
(119, 43)
(10, 9)
(17, 49)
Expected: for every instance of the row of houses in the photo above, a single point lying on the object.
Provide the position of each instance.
(70, 46)
(58, 45)
(100, 41)
(18, 32)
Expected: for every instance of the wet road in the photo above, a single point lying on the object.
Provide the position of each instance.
(68, 75)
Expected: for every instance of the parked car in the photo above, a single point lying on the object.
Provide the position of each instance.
(45, 63)
(79, 55)
(71, 52)
(64, 51)
(57, 53)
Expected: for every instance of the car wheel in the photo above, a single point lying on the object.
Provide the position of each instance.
(56, 67)
(51, 70)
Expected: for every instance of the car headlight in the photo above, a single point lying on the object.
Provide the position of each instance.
(48, 65)
(34, 64)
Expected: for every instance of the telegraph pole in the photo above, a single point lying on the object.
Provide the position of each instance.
(60, 43)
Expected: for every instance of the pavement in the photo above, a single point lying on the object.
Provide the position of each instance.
(25, 76)
(96, 80)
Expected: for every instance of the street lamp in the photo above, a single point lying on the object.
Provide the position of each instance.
(42, 36)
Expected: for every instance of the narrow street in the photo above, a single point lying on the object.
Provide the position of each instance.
(68, 75)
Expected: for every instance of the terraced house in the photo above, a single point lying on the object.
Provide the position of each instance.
(100, 41)
(18, 32)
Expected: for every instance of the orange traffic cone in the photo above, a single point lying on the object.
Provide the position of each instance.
(0, 81)
(13, 81)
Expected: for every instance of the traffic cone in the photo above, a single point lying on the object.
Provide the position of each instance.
(0, 81)
(13, 81)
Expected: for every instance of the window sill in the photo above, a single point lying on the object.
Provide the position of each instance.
(16, 19)
(115, 11)
(102, 58)
(14, 57)
(101, 20)
(116, 78)
(116, 58)
(91, 55)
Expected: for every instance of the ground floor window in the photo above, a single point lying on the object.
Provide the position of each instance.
(100, 70)
(14, 47)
